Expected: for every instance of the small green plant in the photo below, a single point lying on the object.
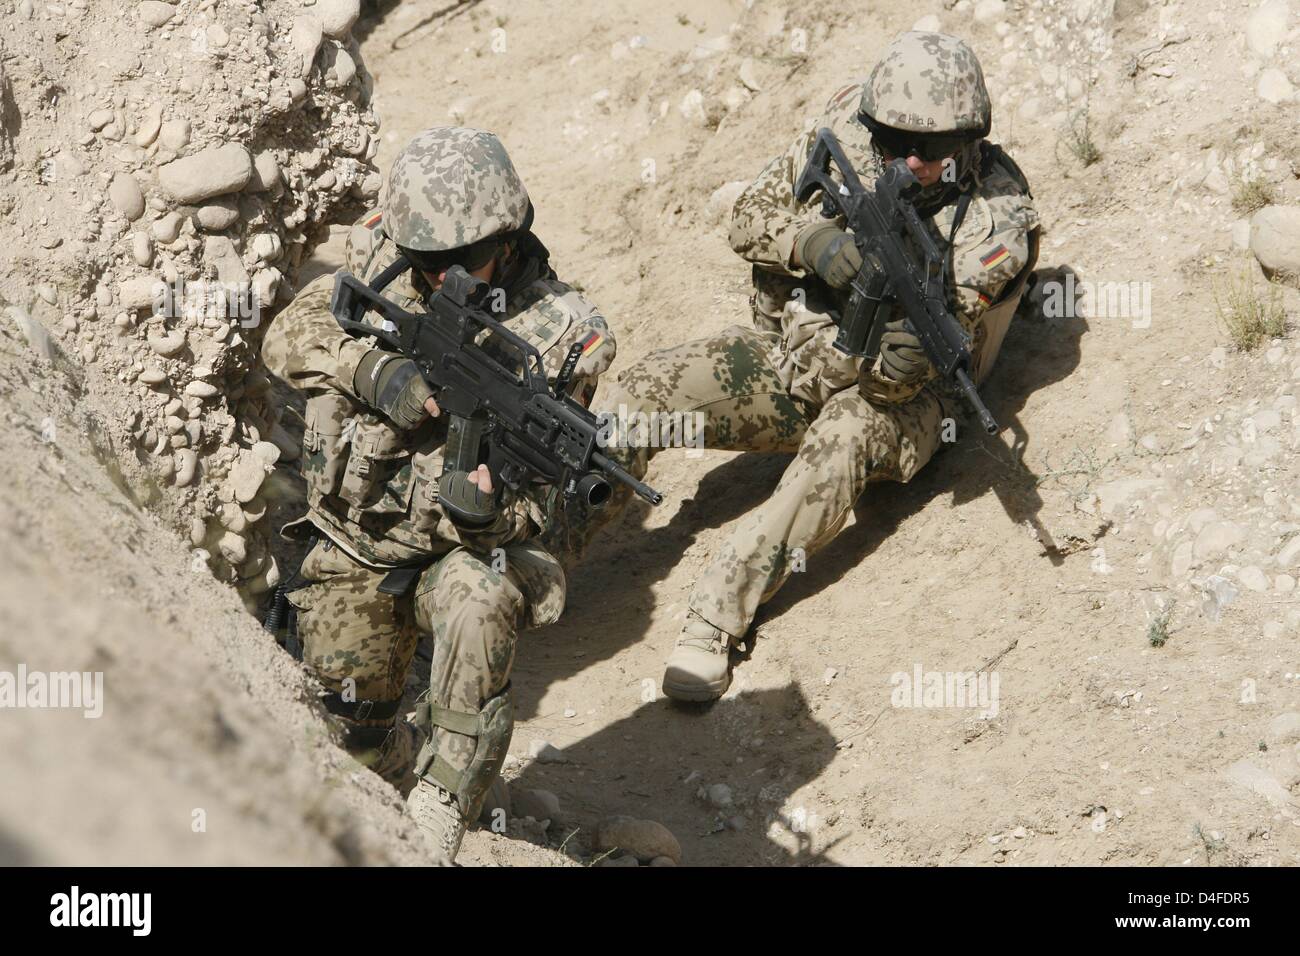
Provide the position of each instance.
(1249, 315)
(1158, 629)
(1212, 842)
(1078, 138)
(683, 19)
(1251, 194)
(1263, 747)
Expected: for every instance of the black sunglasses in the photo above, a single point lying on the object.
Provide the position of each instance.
(901, 143)
(470, 257)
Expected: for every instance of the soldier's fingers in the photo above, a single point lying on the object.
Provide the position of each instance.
(483, 478)
(432, 408)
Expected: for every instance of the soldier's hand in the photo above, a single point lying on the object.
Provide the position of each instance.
(482, 477)
(395, 387)
(902, 359)
(828, 251)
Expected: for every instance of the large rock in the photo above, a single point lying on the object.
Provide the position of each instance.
(210, 172)
(1275, 238)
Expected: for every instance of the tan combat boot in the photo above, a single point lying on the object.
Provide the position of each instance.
(699, 668)
(437, 813)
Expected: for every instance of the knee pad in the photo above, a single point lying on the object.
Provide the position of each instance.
(491, 728)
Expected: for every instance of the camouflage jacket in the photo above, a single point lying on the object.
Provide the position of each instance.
(373, 488)
(992, 245)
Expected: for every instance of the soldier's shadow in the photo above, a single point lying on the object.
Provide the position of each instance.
(659, 763)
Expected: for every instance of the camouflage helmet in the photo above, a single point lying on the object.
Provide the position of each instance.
(928, 83)
(451, 186)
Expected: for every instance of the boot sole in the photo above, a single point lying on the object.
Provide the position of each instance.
(696, 692)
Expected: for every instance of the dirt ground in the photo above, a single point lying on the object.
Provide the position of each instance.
(1143, 462)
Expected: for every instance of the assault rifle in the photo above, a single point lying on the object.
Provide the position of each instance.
(880, 221)
(531, 430)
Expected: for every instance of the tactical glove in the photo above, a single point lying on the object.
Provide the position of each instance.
(393, 386)
(902, 359)
(828, 251)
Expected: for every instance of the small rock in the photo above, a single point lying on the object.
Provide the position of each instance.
(217, 216)
(266, 246)
(233, 547)
(141, 249)
(1274, 87)
(618, 861)
(1275, 238)
(202, 390)
(174, 135)
(266, 173)
(305, 37)
(154, 13)
(644, 839)
(166, 228)
(720, 795)
(140, 292)
(169, 343)
(125, 195)
(248, 474)
(187, 463)
(1253, 578)
(337, 16)
(662, 861)
(150, 125)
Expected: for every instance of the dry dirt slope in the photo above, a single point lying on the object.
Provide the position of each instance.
(1104, 748)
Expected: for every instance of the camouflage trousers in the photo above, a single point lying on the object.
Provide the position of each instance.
(359, 640)
(732, 380)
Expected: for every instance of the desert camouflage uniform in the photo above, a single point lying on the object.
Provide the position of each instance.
(782, 387)
(373, 494)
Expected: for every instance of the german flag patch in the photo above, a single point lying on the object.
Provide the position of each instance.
(591, 340)
(373, 221)
(991, 259)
